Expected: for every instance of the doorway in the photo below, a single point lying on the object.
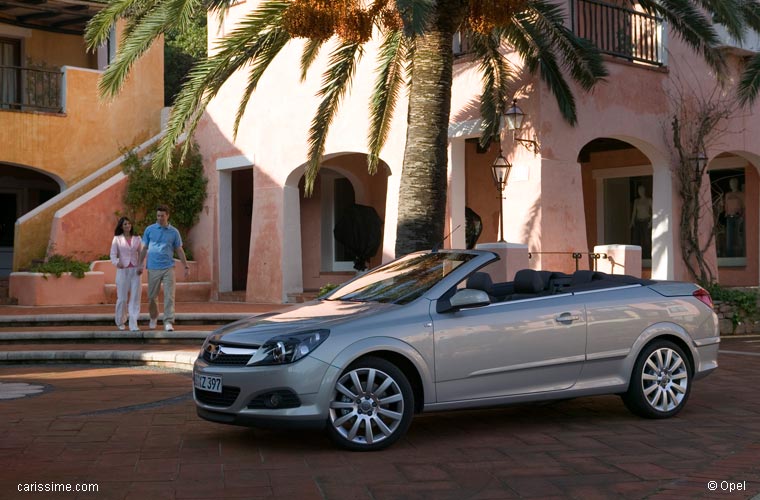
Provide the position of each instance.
(241, 218)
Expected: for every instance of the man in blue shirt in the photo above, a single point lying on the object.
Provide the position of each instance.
(160, 241)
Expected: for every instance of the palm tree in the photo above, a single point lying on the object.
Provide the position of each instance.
(417, 33)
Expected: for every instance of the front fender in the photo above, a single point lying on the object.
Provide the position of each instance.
(371, 345)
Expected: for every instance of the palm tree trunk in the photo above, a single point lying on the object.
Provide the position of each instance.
(422, 196)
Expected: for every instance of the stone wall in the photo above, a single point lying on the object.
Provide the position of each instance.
(725, 312)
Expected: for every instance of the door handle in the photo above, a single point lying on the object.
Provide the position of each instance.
(567, 318)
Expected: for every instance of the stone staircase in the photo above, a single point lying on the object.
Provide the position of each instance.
(87, 334)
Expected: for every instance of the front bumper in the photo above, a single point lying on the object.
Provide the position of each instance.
(310, 379)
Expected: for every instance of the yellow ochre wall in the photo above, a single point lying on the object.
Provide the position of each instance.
(89, 134)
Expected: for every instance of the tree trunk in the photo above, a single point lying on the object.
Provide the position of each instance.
(422, 196)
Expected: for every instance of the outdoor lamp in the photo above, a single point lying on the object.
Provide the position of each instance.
(700, 162)
(500, 170)
(515, 118)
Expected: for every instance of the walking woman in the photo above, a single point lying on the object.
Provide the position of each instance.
(125, 255)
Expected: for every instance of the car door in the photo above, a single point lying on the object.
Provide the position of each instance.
(515, 347)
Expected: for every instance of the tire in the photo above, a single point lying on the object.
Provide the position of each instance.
(661, 381)
(371, 406)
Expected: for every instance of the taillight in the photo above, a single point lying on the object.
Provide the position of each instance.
(703, 296)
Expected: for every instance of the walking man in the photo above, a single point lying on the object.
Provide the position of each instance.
(160, 241)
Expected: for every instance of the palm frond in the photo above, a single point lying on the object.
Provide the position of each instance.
(498, 78)
(728, 13)
(579, 56)
(271, 45)
(310, 53)
(415, 15)
(749, 84)
(99, 27)
(536, 51)
(337, 78)
(164, 16)
(390, 76)
(751, 14)
(208, 75)
(691, 25)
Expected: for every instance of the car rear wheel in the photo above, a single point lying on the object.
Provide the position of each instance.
(661, 381)
(371, 406)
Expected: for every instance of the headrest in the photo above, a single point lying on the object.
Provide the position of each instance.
(528, 281)
(480, 281)
(581, 277)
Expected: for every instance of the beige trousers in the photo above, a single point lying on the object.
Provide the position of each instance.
(157, 277)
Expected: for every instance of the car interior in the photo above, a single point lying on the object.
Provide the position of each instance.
(529, 283)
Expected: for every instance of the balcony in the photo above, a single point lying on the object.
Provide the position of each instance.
(26, 89)
(620, 31)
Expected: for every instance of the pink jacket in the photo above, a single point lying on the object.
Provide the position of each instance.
(124, 253)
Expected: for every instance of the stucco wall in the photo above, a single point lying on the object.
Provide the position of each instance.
(56, 50)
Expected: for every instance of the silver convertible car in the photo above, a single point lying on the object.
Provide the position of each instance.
(431, 331)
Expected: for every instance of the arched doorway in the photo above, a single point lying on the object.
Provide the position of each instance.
(342, 182)
(627, 192)
(21, 191)
(734, 195)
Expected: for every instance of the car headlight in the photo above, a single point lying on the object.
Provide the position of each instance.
(285, 349)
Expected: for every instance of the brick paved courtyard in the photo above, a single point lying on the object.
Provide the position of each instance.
(134, 432)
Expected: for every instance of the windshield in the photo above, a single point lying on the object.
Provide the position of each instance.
(403, 280)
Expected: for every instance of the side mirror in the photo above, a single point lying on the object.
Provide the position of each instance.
(469, 298)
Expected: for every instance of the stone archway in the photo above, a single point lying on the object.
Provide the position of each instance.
(343, 178)
(22, 189)
(737, 264)
(614, 169)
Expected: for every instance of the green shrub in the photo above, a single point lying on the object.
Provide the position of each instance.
(326, 289)
(59, 264)
(183, 190)
(743, 302)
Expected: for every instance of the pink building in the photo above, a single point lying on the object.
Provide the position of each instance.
(578, 191)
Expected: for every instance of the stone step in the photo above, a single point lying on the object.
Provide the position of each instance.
(170, 356)
(194, 337)
(40, 320)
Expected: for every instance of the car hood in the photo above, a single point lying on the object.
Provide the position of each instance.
(309, 316)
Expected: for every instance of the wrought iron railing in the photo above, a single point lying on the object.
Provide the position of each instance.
(29, 89)
(577, 256)
(620, 31)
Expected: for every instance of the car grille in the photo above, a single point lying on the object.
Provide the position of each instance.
(217, 354)
(227, 359)
(226, 398)
(275, 400)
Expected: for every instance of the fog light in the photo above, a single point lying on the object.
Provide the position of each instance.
(274, 400)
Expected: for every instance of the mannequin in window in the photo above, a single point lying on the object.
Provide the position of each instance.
(733, 208)
(641, 222)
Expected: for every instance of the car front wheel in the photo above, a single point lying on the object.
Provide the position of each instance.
(660, 383)
(371, 406)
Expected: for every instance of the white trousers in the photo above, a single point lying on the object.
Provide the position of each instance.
(128, 293)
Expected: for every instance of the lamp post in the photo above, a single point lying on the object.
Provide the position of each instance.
(500, 170)
(515, 118)
(700, 162)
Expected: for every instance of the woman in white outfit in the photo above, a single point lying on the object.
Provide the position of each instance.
(125, 255)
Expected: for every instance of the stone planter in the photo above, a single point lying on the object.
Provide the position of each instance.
(109, 270)
(38, 289)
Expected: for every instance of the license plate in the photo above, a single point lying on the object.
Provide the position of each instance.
(209, 383)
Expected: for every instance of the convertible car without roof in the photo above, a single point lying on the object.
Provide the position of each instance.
(430, 332)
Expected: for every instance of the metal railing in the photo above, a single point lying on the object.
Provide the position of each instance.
(28, 89)
(620, 31)
(577, 256)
